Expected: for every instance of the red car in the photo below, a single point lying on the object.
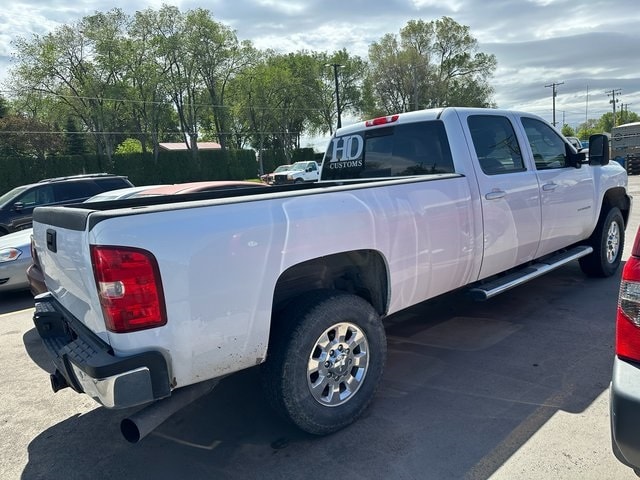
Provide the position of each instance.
(194, 187)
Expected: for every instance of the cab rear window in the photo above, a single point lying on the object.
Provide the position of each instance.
(401, 150)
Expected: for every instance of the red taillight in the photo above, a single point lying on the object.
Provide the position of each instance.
(628, 317)
(129, 288)
(381, 120)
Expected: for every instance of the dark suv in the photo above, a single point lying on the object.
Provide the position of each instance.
(16, 206)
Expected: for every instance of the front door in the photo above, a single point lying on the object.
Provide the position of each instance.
(568, 209)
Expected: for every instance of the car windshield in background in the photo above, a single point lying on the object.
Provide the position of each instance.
(282, 168)
(297, 167)
(11, 194)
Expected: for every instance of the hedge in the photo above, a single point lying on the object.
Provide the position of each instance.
(171, 167)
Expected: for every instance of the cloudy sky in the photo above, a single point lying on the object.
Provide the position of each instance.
(592, 47)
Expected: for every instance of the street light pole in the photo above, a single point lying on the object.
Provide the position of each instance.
(335, 76)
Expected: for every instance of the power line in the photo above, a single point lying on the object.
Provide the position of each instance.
(163, 102)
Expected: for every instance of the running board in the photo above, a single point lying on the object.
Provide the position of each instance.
(492, 288)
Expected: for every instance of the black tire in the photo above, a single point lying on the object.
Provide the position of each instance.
(607, 241)
(298, 180)
(313, 342)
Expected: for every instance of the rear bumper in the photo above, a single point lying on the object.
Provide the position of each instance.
(625, 412)
(88, 365)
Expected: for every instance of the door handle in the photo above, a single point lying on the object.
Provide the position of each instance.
(495, 194)
(549, 187)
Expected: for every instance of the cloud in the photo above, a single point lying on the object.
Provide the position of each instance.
(583, 45)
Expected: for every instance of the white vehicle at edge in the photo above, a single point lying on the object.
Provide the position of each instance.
(172, 294)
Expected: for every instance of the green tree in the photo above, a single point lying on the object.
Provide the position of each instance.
(218, 58)
(567, 131)
(588, 128)
(351, 71)
(4, 107)
(78, 65)
(625, 116)
(75, 139)
(430, 64)
(130, 145)
(151, 112)
(27, 137)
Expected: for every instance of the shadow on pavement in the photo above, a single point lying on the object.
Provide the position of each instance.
(36, 350)
(15, 301)
(466, 385)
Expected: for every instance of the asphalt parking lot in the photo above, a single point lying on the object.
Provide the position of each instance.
(515, 387)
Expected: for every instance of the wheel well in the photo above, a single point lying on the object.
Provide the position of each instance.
(360, 272)
(616, 197)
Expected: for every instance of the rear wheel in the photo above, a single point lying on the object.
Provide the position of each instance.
(608, 243)
(326, 357)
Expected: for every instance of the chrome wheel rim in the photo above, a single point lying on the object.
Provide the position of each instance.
(338, 364)
(613, 242)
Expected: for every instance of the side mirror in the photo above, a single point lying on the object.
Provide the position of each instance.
(599, 152)
(574, 159)
(18, 206)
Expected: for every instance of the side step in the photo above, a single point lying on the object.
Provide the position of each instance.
(494, 287)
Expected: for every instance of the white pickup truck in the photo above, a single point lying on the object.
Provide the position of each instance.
(299, 172)
(152, 300)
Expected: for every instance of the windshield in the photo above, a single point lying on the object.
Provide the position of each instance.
(282, 168)
(10, 195)
(298, 166)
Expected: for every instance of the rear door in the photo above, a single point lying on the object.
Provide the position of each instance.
(509, 194)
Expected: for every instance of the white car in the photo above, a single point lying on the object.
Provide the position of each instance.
(15, 258)
(15, 248)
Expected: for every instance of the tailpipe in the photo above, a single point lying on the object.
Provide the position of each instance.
(137, 426)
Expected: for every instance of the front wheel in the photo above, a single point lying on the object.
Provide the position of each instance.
(326, 357)
(608, 243)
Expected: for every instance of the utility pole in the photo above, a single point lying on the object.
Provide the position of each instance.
(613, 101)
(624, 112)
(555, 92)
(586, 108)
(335, 76)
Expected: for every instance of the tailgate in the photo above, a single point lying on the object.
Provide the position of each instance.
(61, 242)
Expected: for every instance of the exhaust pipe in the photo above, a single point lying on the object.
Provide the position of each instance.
(137, 426)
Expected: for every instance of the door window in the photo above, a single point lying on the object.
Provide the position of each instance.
(37, 196)
(549, 150)
(495, 144)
